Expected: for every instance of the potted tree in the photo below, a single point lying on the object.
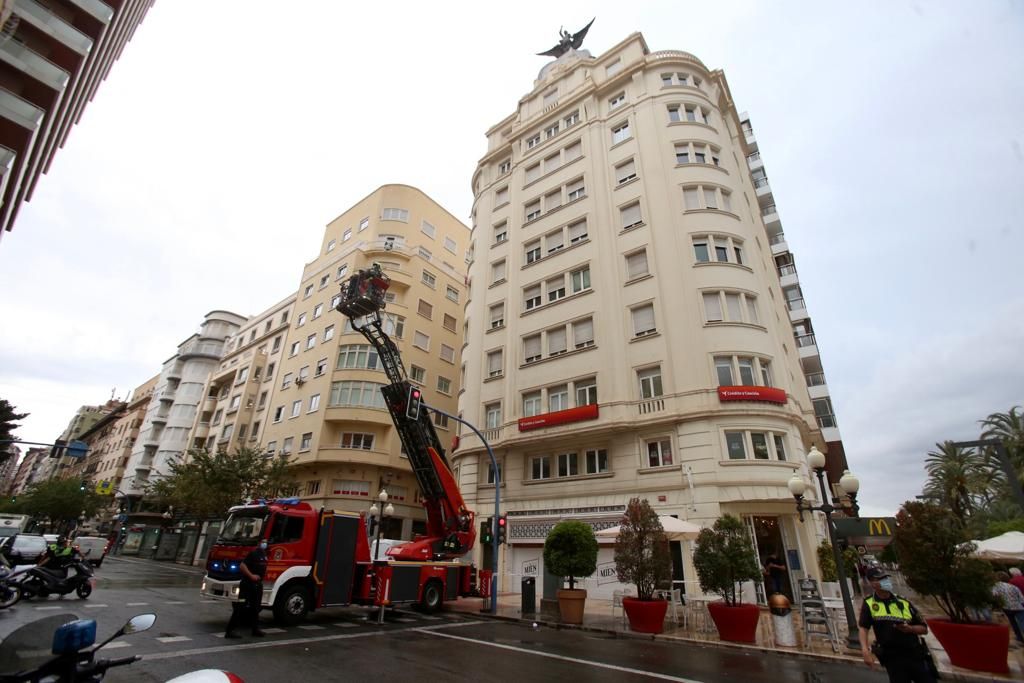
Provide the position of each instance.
(570, 550)
(724, 558)
(829, 575)
(935, 558)
(642, 559)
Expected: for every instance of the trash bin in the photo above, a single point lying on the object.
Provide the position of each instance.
(529, 594)
(782, 620)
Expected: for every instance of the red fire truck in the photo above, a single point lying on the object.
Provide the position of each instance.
(321, 558)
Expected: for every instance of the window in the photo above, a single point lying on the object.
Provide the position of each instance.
(531, 404)
(553, 200)
(428, 229)
(504, 167)
(494, 363)
(551, 162)
(301, 321)
(330, 245)
(555, 288)
(568, 465)
(357, 441)
(428, 278)
(498, 272)
(556, 341)
(447, 353)
(440, 420)
(451, 293)
(296, 408)
(361, 356)
(532, 251)
(575, 190)
(417, 374)
(746, 366)
(749, 369)
(578, 232)
(449, 322)
(277, 345)
(552, 130)
(421, 340)
(625, 172)
(780, 446)
(659, 453)
(643, 320)
(531, 296)
(497, 316)
(278, 413)
(424, 253)
(501, 232)
(712, 307)
(314, 403)
(490, 473)
(761, 445)
(342, 269)
(691, 198)
(558, 398)
(613, 68)
(554, 241)
(395, 215)
(723, 368)
(620, 133)
(636, 264)
(312, 487)
(310, 341)
(683, 153)
(766, 372)
(617, 101)
(444, 385)
(318, 310)
(225, 433)
(531, 348)
(492, 415)
(449, 245)
(425, 309)
(243, 375)
(351, 488)
(347, 235)
(583, 333)
(263, 400)
(650, 382)
(501, 197)
(308, 292)
(306, 441)
(596, 460)
(759, 441)
(329, 333)
(572, 119)
(673, 114)
(286, 381)
(580, 279)
(573, 152)
(356, 395)
(364, 224)
(296, 346)
(740, 307)
(271, 447)
(532, 142)
(540, 467)
(630, 216)
(532, 210)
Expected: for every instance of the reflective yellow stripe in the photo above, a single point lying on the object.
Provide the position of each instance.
(899, 609)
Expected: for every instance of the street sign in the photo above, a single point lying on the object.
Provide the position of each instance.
(76, 449)
(122, 517)
(105, 487)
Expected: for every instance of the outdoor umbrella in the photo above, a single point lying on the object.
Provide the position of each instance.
(675, 530)
(1008, 547)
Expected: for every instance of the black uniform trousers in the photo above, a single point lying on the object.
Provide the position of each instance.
(908, 670)
(247, 610)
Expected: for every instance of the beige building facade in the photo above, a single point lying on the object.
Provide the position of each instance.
(326, 411)
(627, 332)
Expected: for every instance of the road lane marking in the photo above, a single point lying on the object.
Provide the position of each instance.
(136, 604)
(426, 618)
(160, 567)
(625, 669)
(116, 645)
(95, 606)
(311, 627)
(175, 602)
(172, 639)
(407, 621)
(51, 607)
(346, 624)
(290, 641)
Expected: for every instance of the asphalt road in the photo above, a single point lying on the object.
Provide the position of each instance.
(348, 644)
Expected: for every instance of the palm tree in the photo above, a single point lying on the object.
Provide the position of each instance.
(959, 478)
(1009, 428)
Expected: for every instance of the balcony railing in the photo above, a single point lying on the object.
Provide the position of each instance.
(753, 157)
(777, 239)
(795, 304)
(654, 405)
(816, 379)
(788, 269)
(769, 210)
(805, 340)
(826, 421)
(760, 182)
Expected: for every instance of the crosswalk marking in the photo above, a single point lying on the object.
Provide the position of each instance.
(172, 639)
(346, 624)
(311, 627)
(116, 645)
(274, 630)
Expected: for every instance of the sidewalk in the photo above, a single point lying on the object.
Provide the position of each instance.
(598, 617)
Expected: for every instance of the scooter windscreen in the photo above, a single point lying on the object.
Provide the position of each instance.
(30, 646)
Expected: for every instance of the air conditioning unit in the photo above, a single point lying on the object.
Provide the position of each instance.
(300, 381)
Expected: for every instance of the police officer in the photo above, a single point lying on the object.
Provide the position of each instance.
(250, 592)
(58, 555)
(898, 627)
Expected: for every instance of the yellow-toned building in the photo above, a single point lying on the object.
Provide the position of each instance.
(326, 412)
(628, 335)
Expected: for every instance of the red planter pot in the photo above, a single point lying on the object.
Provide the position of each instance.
(645, 616)
(981, 647)
(736, 623)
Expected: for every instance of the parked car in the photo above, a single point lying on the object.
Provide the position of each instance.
(23, 549)
(93, 547)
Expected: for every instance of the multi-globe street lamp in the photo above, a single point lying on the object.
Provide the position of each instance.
(381, 513)
(849, 485)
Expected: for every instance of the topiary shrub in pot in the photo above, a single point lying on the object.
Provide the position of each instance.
(642, 559)
(724, 558)
(570, 550)
(935, 558)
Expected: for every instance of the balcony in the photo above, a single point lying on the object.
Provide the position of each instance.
(763, 191)
(797, 309)
(807, 347)
(827, 421)
(770, 216)
(787, 276)
(49, 23)
(754, 161)
(816, 385)
(196, 348)
(654, 405)
(27, 61)
(20, 112)
(748, 135)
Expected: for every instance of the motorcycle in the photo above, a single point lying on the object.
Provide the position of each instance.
(40, 581)
(72, 658)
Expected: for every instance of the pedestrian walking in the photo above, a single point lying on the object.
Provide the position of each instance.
(775, 572)
(1017, 579)
(1012, 603)
(898, 628)
(250, 593)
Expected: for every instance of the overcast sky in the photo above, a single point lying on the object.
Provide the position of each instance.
(229, 133)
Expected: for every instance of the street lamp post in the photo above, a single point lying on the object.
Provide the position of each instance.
(850, 485)
(383, 512)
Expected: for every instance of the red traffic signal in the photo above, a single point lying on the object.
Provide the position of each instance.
(502, 529)
(412, 405)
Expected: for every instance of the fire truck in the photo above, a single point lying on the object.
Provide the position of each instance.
(321, 558)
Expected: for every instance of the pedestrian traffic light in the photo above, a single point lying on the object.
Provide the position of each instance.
(502, 529)
(412, 406)
(487, 531)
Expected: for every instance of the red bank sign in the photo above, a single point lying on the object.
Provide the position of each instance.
(769, 394)
(559, 417)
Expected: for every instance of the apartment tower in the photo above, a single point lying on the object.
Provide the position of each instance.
(628, 335)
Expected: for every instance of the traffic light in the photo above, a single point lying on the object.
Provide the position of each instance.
(81, 485)
(487, 531)
(502, 529)
(412, 406)
(58, 448)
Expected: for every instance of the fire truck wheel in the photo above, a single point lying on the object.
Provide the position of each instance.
(432, 597)
(292, 605)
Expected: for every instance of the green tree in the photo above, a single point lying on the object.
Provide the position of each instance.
(724, 558)
(60, 501)
(1009, 428)
(958, 478)
(641, 549)
(571, 550)
(204, 485)
(827, 563)
(8, 423)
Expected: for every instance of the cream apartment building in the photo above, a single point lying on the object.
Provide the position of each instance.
(627, 331)
(326, 411)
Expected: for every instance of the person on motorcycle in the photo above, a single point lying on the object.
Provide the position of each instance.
(59, 555)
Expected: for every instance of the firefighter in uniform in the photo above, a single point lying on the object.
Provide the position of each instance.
(898, 628)
(250, 592)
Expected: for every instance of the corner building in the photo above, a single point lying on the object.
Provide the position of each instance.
(627, 335)
(326, 411)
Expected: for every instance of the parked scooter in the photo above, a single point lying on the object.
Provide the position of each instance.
(10, 585)
(41, 581)
(23, 655)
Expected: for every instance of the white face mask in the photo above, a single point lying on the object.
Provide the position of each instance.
(886, 585)
(263, 545)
